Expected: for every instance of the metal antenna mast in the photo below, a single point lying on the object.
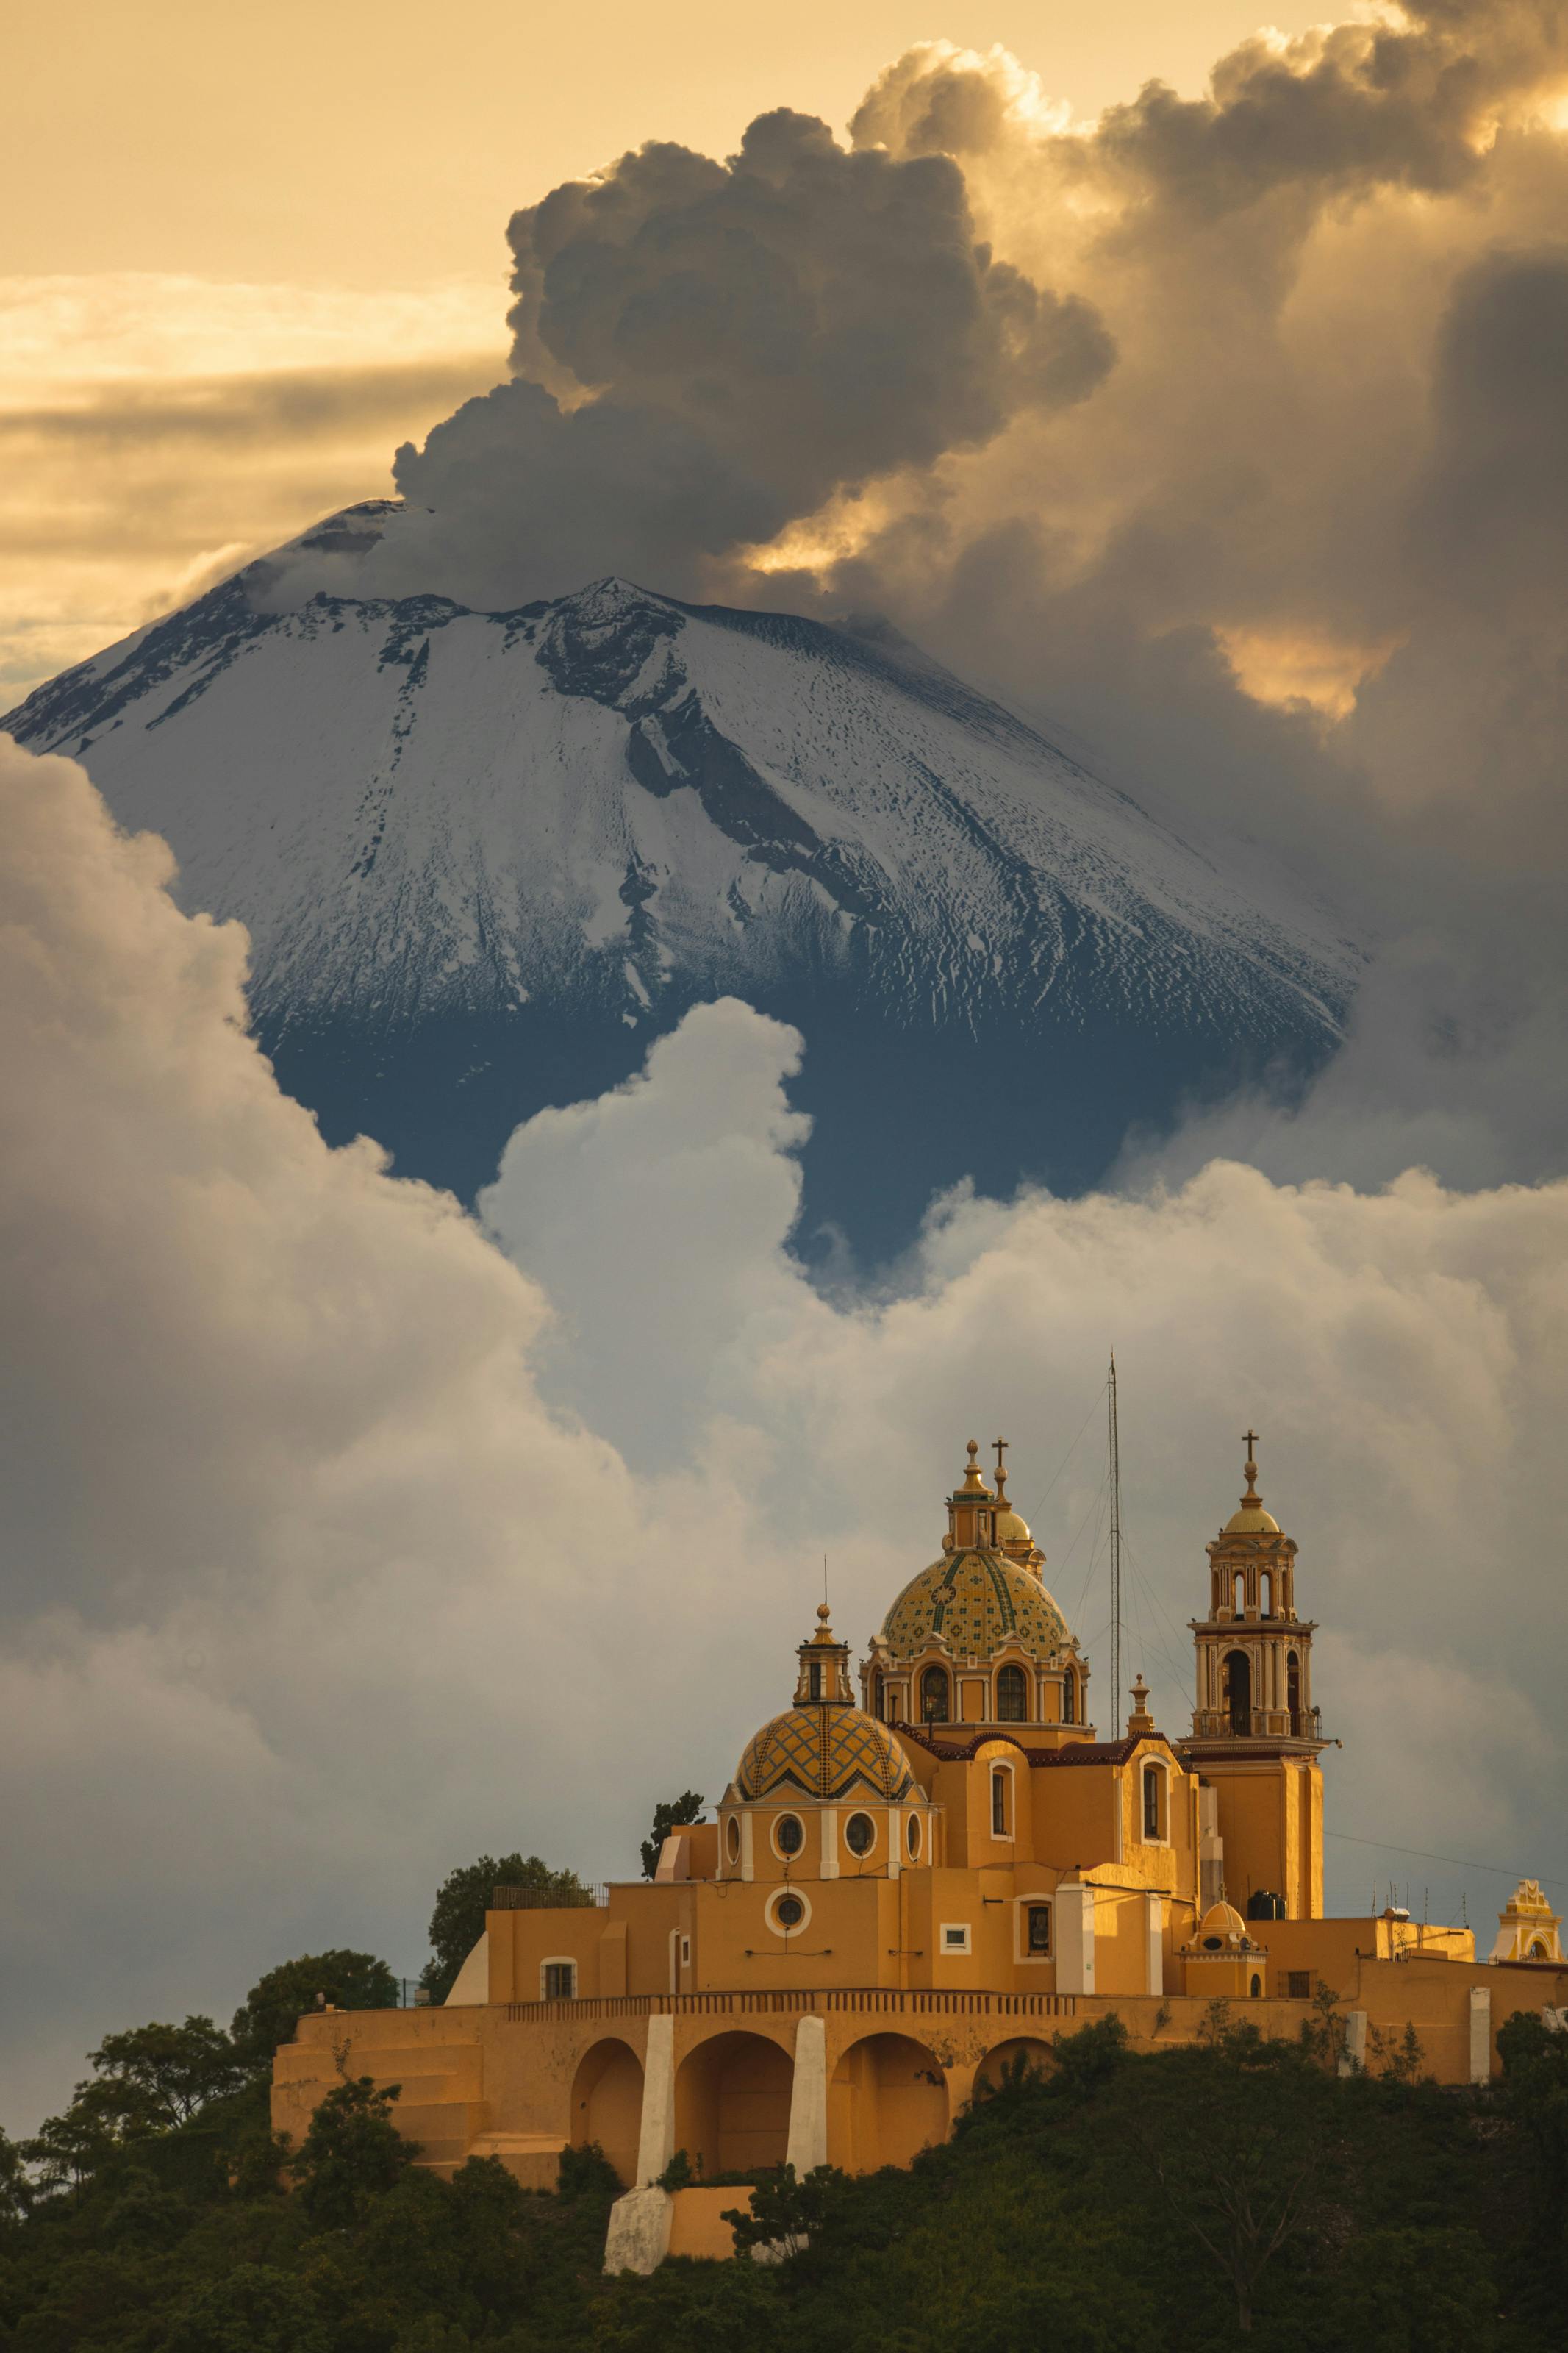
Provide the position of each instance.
(1115, 1546)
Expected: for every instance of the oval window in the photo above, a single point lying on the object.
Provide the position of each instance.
(732, 1840)
(914, 1834)
(860, 1834)
(789, 1912)
(1214, 1943)
(789, 1834)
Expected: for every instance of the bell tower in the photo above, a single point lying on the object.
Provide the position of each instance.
(1256, 1735)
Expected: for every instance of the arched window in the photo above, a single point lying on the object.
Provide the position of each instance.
(1069, 1687)
(1001, 1802)
(879, 1695)
(933, 1695)
(1266, 1591)
(1257, 1986)
(1012, 1695)
(815, 1678)
(1239, 1599)
(1293, 1689)
(1153, 1790)
(1239, 1691)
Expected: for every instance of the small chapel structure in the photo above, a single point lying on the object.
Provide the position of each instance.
(908, 1887)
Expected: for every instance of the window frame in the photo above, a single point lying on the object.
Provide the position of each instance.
(948, 1950)
(770, 1911)
(860, 1814)
(786, 1853)
(935, 1668)
(1004, 1785)
(1161, 1837)
(1039, 1901)
(1011, 1668)
(567, 1961)
(913, 1837)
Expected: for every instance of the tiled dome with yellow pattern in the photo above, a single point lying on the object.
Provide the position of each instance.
(977, 1602)
(823, 1753)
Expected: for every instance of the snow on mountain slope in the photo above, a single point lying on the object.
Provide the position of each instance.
(484, 857)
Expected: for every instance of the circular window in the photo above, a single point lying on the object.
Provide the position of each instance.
(914, 1834)
(860, 1834)
(787, 1911)
(789, 1834)
(732, 1840)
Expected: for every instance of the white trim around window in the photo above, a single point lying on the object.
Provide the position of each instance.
(557, 1961)
(953, 1940)
(770, 1911)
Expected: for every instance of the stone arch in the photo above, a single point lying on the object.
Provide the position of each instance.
(606, 2103)
(1036, 2056)
(731, 2104)
(888, 2101)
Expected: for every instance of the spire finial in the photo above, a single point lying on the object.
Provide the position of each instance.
(1251, 1439)
(1001, 1446)
(974, 1479)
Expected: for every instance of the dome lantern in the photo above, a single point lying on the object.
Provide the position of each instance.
(823, 1678)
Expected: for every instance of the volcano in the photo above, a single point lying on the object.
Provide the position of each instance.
(485, 858)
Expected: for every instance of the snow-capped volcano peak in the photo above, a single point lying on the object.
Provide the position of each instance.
(483, 856)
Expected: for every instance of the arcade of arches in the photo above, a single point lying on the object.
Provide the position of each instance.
(924, 1869)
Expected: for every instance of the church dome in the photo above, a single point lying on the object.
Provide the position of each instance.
(976, 1602)
(1011, 1528)
(1222, 1925)
(823, 1753)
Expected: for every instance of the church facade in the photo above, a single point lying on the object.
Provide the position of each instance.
(910, 1884)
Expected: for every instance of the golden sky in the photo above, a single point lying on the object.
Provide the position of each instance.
(333, 143)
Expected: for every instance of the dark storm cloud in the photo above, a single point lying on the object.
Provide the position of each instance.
(705, 352)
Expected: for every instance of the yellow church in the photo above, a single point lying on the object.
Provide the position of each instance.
(905, 1891)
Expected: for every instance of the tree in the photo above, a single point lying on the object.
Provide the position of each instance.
(351, 2152)
(465, 1896)
(273, 2007)
(670, 1814)
(251, 2309)
(170, 2072)
(1234, 2145)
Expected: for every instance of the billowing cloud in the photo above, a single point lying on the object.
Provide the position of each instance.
(705, 352)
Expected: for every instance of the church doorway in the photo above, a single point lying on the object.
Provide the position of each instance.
(888, 2101)
(606, 2105)
(731, 2104)
(1239, 1691)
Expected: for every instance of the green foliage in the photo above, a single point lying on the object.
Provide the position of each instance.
(254, 2310)
(351, 2153)
(670, 1814)
(586, 2172)
(458, 1921)
(276, 2003)
(165, 2073)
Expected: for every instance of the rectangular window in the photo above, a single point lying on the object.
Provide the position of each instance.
(559, 1980)
(1299, 1985)
(686, 1952)
(999, 1804)
(1039, 1930)
(956, 1936)
(816, 1679)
